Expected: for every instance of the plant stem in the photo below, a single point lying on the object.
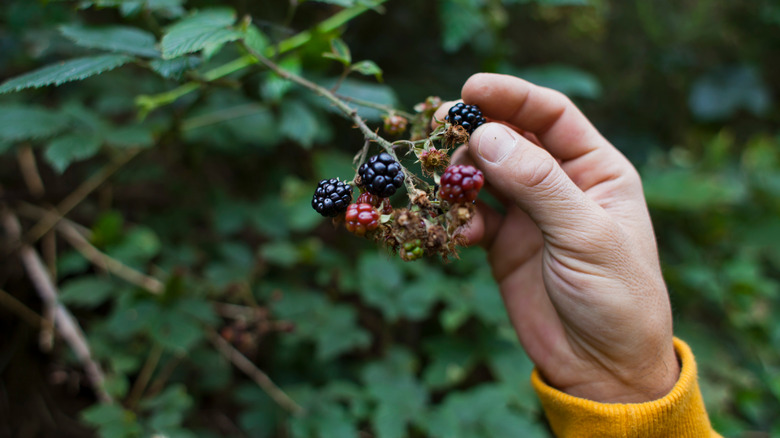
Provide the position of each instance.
(346, 110)
(149, 102)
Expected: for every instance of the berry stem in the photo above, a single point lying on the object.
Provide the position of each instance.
(346, 110)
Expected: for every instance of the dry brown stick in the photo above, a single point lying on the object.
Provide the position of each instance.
(71, 201)
(66, 325)
(266, 384)
(143, 378)
(106, 262)
(75, 235)
(30, 174)
(21, 310)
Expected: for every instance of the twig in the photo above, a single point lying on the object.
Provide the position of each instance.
(66, 325)
(107, 262)
(377, 106)
(77, 236)
(163, 376)
(146, 374)
(346, 110)
(32, 178)
(78, 195)
(261, 378)
(23, 312)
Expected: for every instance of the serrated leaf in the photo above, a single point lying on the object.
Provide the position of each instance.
(62, 151)
(368, 68)
(19, 123)
(123, 39)
(196, 32)
(66, 71)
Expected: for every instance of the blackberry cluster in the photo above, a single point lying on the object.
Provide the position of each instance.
(331, 197)
(381, 175)
(461, 184)
(467, 116)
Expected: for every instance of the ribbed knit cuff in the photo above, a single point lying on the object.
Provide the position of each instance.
(679, 414)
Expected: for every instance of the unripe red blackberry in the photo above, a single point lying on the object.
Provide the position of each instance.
(381, 175)
(461, 184)
(467, 116)
(361, 218)
(368, 198)
(331, 197)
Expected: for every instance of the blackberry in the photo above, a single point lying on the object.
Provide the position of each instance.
(461, 184)
(331, 197)
(361, 218)
(467, 116)
(381, 175)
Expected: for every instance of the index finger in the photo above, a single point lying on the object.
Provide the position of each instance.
(559, 125)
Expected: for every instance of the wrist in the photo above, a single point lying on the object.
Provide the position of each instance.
(629, 385)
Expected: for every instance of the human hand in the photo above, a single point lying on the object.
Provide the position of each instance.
(574, 254)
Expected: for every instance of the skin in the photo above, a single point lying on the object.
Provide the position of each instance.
(574, 253)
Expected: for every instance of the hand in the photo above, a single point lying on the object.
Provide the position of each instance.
(574, 254)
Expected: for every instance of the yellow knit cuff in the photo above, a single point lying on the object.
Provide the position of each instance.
(679, 414)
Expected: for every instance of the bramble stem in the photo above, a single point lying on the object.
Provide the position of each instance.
(346, 110)
(150, 102)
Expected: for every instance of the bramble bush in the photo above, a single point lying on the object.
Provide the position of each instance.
(164, 272)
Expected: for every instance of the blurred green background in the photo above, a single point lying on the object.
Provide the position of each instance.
(210, 194)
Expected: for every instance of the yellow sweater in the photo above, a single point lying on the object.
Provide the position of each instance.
(679, 414)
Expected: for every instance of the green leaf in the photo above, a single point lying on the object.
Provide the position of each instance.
(570, 81)
(332, 327)
(122, 39)
(663, 189)
(339, 52)
(63, 151)
(131, 136)
(66, 71)
(368, 68)
(461, 21)
(174, 68)
(196, 32)
(22, 122)
(87, 291)
(255, 39)
(299, 123)
(112, 420)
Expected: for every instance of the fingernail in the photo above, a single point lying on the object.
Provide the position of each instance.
(495, 141)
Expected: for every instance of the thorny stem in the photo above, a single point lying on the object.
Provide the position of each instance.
(377, 106)
(150, 102)
(346, 110)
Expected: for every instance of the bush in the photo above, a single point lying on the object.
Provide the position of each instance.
(162, 178)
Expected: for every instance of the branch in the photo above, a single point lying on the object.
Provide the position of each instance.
(73, 233)
(346, 110)
(66, 325)
(241, 362)
(20, 309)
(78, 195)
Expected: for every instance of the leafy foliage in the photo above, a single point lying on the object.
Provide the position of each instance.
(215, 207)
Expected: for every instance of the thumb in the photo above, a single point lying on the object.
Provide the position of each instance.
(532, 178)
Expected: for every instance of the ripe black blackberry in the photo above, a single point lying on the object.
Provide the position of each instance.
(381, 175)
(467, 116)
(331, 197)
